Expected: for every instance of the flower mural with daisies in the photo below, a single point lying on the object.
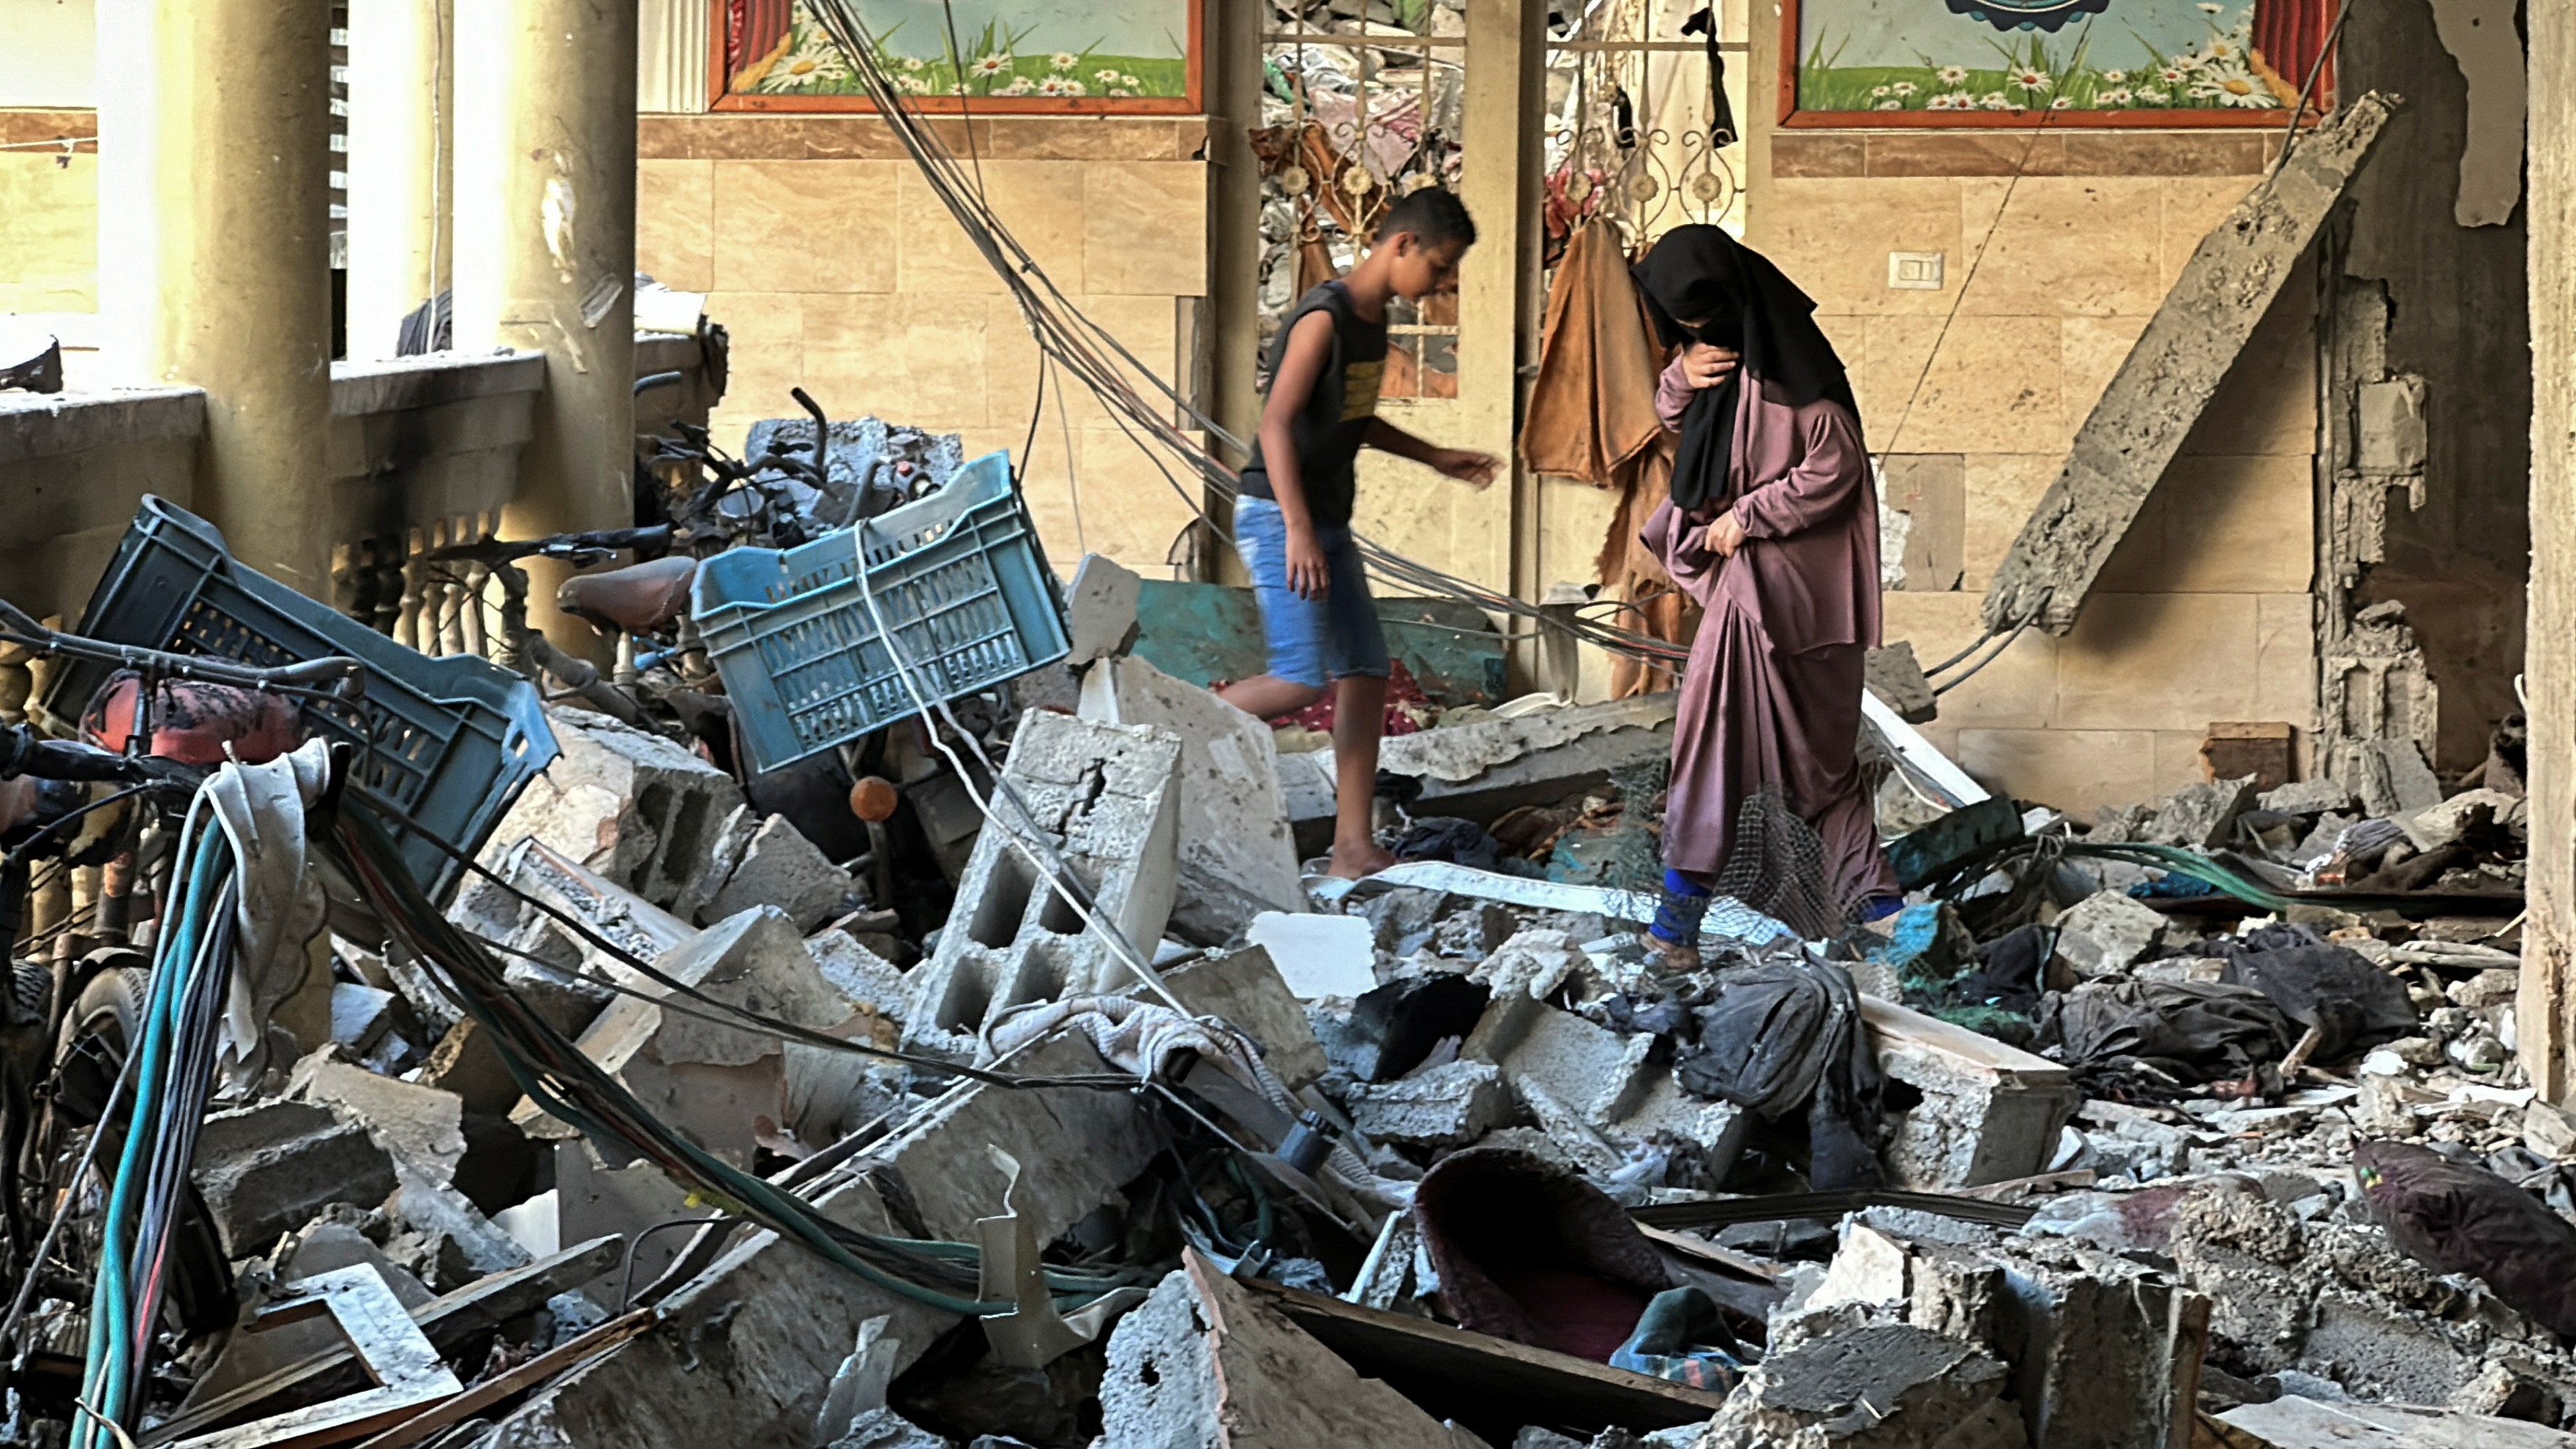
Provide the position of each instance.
(1116, 50)
(2070, 58)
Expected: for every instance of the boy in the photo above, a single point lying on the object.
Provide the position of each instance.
(1292, 523)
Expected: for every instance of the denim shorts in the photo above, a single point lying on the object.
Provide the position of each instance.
(1312, 641)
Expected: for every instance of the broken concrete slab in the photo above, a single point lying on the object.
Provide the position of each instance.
(422, 1127)
(2106, 933)
(2202, 816)
(1534, 962)
(1884, 1386)
(2393, 777)
(1450, 1105)
(1202, 1364)
(360, 1015)
(2306, 797)
(780, 867)
(1602, 1095)
(707, 1078)
(1481, 769)
(1245, 990)
(2170, 376)
(1318, 955)
(2467, 814)
(268, 1169)
(1100, 609)
(1105, 797)
(1237, 853)
(1989, 1112)
(633, 806)
(866, 978)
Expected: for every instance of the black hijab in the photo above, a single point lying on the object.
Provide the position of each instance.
(1701, 272)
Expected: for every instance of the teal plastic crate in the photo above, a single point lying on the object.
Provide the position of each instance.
(450, 741)
(962, 583)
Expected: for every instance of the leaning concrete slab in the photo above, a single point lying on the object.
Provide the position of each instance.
(2174, 371)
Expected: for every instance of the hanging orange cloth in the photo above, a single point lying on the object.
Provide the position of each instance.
(1592, 408)
(1592, 416)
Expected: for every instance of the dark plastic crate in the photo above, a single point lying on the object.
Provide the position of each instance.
(962, 583)
(451, 741)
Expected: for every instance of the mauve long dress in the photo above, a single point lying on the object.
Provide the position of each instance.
(1771, 695)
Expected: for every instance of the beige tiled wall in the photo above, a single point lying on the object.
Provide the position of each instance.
(2204, 611)
(834, 267)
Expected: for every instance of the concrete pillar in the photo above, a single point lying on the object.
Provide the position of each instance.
(545, 250)
(214, 251)
(402, 105)
(2545, 1017)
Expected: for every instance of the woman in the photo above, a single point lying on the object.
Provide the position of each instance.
(1772, 527)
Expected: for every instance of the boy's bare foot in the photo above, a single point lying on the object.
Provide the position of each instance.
(1673, 955)
(1352, 864)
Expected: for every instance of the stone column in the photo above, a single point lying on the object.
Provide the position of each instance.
(402, 104)
(2545, 1017)
(545, 250)
(214, 252)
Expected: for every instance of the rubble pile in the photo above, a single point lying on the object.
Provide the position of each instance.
(1004, 1077)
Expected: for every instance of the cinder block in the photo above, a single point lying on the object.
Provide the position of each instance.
(1106, 797)
(632, 806)
(1237, 855)
(1990, 1112)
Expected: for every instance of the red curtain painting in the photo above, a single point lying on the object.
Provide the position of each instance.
(753, 29)
(2289, 35)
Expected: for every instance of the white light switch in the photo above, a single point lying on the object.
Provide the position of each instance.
(1914, 271)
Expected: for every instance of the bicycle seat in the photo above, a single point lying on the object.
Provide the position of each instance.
(638, 596)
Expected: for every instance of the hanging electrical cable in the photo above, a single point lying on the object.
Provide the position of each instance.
(1102, 364)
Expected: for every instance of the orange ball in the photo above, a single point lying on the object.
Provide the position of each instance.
(873, 798)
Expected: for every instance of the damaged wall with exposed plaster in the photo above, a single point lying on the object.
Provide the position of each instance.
(2203, 614)
(2429, 388)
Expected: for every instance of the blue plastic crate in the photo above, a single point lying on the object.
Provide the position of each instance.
(962, 584)
(451, 741)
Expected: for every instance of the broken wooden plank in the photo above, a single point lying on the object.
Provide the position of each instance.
(2173, 372)
(405, 1367)
(449, 1321)
(1476, 1378)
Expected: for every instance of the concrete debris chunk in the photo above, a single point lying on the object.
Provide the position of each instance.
(2467, 814)
(1237, 854)
(1883, 1386)
(420, 1126)
(748, 1347)
(360, 1015)
(631, 805)
(268, 1169)
(1100, 609)
(780, 867)
(1318, 955)
(1989, 1112)
(1450, 1105)
(2106, 933)
(1533, 962)
(1201, 1364)
(707, 1078)
(2306, 797)
(1104, 800)
(1245, 990)
(2202, 816)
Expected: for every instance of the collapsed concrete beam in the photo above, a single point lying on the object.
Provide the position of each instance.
(1481, 769)
(2174, 371)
